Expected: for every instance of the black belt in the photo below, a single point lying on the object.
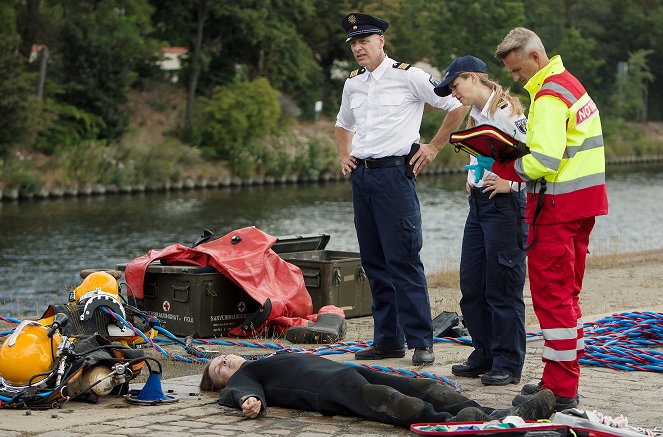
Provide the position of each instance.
(387, 161)
(476, 192)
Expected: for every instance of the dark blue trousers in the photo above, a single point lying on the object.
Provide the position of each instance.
(492, 276)
(388, 223)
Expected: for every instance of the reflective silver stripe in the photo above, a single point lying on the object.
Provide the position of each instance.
(518, 167)
(588, 144)
(574, 185)
(552, 86)
(554, 355)
(580, 344)
(560, 333)
(548, 161)
(579, 323)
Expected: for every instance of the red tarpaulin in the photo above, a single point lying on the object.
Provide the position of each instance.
(245, 257)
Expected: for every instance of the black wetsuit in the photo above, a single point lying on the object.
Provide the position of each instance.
(313, 383)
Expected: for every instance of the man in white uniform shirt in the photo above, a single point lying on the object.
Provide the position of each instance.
(376, 128)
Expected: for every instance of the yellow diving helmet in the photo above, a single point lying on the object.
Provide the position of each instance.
(92, 285)
(27, 352)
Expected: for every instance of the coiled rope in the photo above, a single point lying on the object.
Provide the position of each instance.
(614, 342)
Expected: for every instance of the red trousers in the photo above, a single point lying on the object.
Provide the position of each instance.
(556, 267)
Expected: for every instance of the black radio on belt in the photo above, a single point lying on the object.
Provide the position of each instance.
(409, 169)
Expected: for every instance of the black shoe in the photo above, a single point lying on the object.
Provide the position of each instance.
(540, 405)
(423, 356)
(470, 414)
(561, 402)
(467, 370)
(329, 328)
(530, 389)
(377, 352)
(498, 378)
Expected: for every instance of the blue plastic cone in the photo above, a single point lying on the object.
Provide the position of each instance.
(151, 393)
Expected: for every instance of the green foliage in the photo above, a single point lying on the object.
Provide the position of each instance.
(619, 137)
(234, 117)
(128, 163)
(304, 155)
(100, 46)
(254, 50)
(629, 99)
(65, 126)
(578, 55)
(16, 88)
(17, 171)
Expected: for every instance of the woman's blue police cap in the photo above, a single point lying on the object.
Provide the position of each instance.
(464, 64)
(359, 25)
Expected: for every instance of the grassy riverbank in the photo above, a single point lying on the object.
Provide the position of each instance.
(150, 156)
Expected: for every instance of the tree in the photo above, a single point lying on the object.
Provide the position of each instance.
(16, 84)
(100, 47)
(629, 101)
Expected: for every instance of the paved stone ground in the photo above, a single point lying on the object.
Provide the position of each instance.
(637, 395)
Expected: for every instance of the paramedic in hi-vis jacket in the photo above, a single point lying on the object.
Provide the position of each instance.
(565, 177)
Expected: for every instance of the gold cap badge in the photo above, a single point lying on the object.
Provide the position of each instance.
(352, 19)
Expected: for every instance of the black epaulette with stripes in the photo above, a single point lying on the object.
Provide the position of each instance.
(401, 65)
(356, 72)
(503, 104)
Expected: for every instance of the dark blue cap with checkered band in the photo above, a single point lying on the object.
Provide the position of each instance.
(359, 25)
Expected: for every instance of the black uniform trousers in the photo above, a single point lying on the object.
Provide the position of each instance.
(388, 224)
(492, 276)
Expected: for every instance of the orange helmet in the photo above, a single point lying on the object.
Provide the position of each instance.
(26, 353)
(93, 284)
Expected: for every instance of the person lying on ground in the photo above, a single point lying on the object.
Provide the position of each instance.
(313, 383)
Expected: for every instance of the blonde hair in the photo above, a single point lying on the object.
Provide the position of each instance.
(501, 96)
(519, 40)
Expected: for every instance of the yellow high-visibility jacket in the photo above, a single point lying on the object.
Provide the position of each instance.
(566, 142)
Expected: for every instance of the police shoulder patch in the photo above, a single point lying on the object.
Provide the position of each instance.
(522, 125)
(433, 80)
(356, 72)
(401, 65)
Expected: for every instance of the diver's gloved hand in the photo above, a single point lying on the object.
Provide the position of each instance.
(478, 171)
(485, 162)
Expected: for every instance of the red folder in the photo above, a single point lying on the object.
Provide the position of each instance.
(486, 140)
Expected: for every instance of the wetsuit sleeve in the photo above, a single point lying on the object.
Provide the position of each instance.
(241, 387)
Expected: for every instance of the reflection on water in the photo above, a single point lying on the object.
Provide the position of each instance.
(44, 244)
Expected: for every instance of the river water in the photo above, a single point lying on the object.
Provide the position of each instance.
(44, 244)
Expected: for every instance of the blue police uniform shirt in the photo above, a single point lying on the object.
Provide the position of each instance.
(384, 108)
(503, 119)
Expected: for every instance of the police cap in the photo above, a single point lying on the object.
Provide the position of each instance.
(359, 25)
(464, 64)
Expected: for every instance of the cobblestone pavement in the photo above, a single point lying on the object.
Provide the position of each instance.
(634, 394)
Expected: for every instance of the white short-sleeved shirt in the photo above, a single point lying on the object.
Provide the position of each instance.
(384, 108)
(503, 119)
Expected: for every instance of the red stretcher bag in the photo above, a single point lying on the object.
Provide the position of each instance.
(486, 140)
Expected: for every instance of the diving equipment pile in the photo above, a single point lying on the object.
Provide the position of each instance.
(81, 350)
